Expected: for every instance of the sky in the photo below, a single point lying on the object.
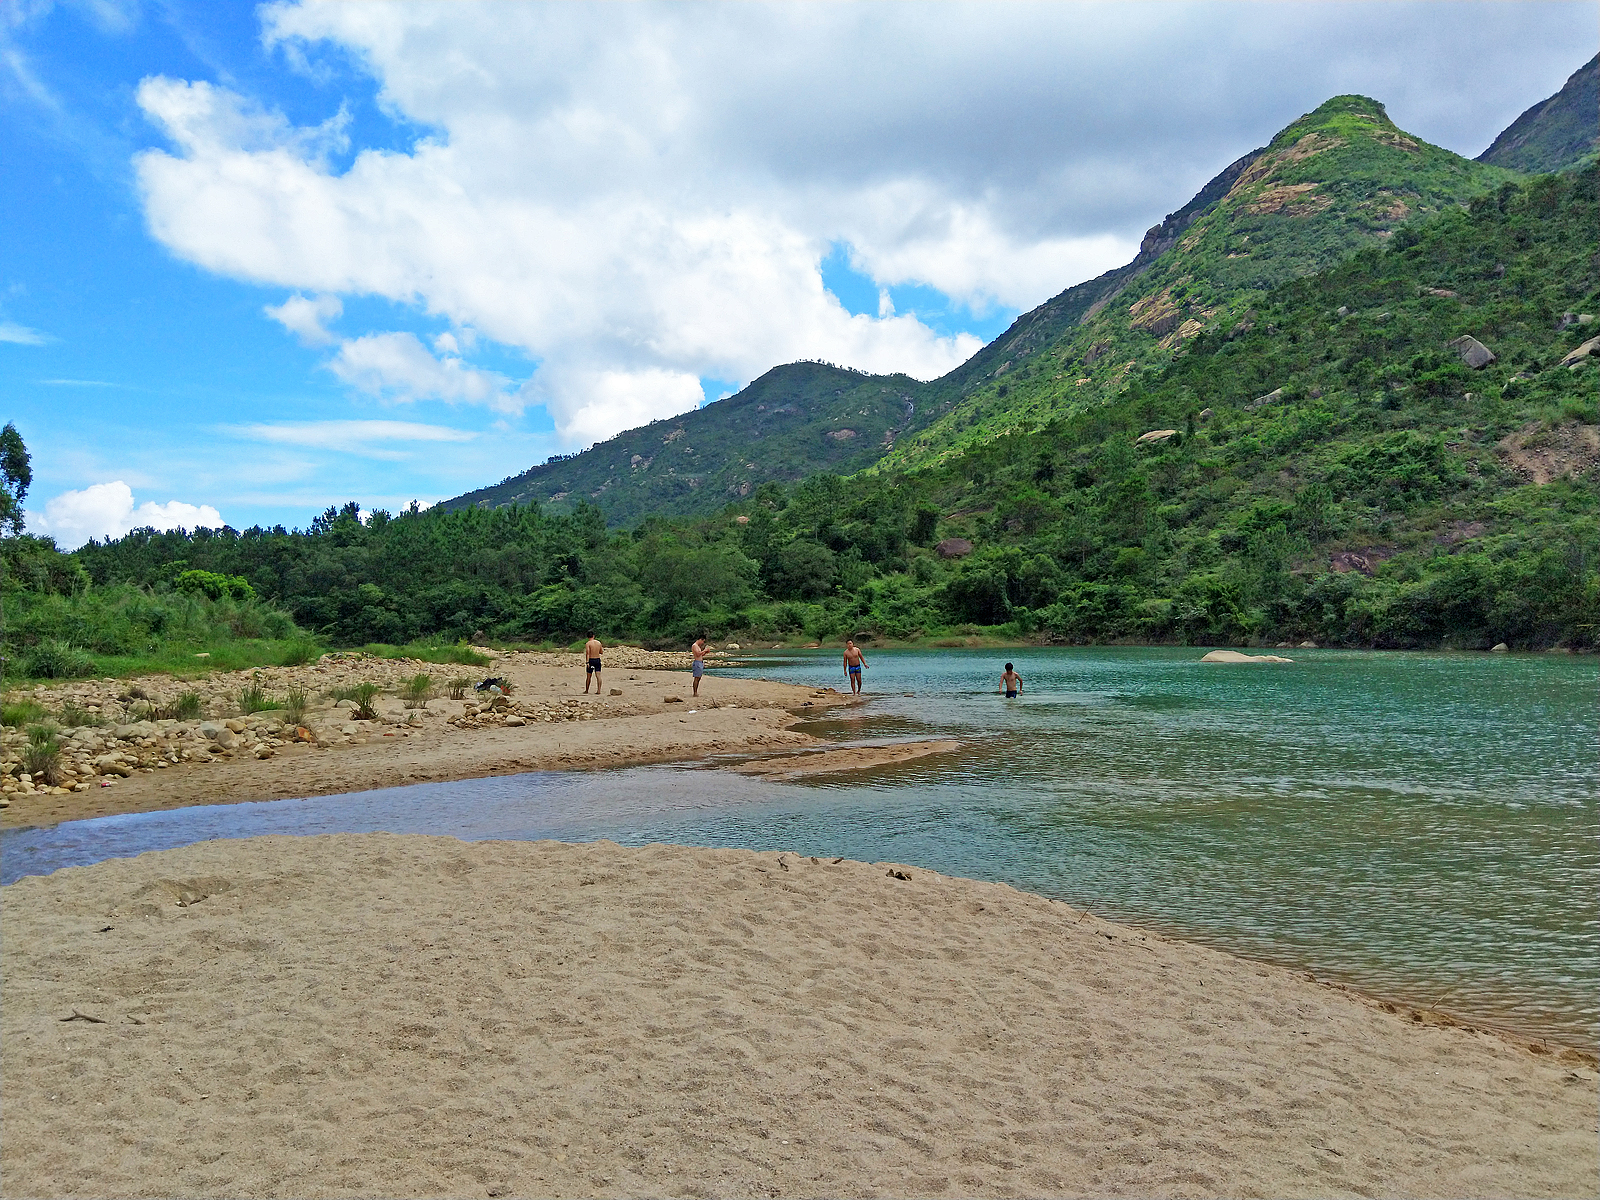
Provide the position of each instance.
(260, 259)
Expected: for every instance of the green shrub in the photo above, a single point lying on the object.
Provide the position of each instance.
(299, 653)
(365, 696)
(186, 707)
(72, 716)
(41, 758)
(418, 690)
(254, 699)
(295, 705)
(21, 713)
(56, 659)
(459, 686)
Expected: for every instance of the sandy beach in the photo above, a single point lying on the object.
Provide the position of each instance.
(546, 723)
(409, 1016)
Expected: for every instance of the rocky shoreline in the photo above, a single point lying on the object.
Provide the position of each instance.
(113, 735)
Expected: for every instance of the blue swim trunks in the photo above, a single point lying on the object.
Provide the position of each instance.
(699, 668)
(855, 670)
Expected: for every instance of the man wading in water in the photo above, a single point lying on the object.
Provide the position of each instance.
(592, 649)
(698, 650)
(854, 660)
(1011, 683)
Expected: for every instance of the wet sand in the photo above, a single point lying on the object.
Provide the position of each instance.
(411, 1016)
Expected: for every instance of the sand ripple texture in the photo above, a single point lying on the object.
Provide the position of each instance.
(409, 1016)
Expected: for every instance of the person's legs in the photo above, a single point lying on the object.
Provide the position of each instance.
(698, 668)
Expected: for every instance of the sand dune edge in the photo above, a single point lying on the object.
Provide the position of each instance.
(412, 1016)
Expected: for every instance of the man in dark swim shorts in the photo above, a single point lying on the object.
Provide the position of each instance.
(1011, 683)
(854, 660)
(592, 649)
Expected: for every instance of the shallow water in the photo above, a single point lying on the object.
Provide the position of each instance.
(1420, 825)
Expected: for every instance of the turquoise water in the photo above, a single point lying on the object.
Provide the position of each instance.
(1420, 825)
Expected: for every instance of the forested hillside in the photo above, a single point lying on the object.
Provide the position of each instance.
(1335, 464)
(793, 421)
(1339, 178)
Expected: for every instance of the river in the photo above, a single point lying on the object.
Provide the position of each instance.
(1422, 826)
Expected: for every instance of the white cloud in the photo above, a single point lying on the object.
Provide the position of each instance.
(634, 202)
(21, 335)
(353, 437)
(107, 510)
(307, 317)
(399, 367)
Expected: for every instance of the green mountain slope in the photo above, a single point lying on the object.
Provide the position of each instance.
(1339, 178)
(1555, 133)
(793, 421)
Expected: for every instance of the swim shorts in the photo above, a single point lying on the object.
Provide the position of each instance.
(699, 668)
(1011, 695)
(594, 665)
(855, 670)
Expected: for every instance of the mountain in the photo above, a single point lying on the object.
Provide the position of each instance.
(1554, 133)
(1400, 450)
(1337, 179)
(792, 422)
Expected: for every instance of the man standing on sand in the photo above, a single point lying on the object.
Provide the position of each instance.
(1011, 683)
(592, 649)
(854, 660)
(698, 651)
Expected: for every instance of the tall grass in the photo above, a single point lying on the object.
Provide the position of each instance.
(41, 758)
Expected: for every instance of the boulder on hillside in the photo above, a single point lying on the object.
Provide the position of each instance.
(1582, 352)
(1155, 435)
(1271, 397)
(953, 548)
(1234, 656)
(1472, 352)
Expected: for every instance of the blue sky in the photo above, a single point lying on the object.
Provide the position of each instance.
(492, 233)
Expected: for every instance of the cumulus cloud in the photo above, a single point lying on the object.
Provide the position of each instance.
(399, 367)
(107, 510)
(307, 317)
(635, 204)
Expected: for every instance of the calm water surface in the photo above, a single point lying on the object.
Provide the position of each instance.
(1423, 826)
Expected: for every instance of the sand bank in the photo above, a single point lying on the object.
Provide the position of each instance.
(407, 1016)
(847, 758)
(548, 723)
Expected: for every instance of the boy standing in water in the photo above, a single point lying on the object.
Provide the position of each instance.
(1011, 683)
(592, 649)
(854, 660)
(698, 650)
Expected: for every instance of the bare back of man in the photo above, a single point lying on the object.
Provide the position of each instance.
(592, 650)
